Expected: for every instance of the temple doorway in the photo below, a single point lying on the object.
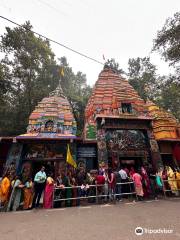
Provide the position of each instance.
(128, 162)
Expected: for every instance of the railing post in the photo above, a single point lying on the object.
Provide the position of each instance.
(97, 200)
(53, 196)
(164, 189)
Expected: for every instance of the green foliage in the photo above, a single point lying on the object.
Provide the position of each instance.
(167, 41)
(28, 61)
(4, 79)
(169, 97)
(29, 72)
(163, 90)
(142, 76)
(77, 92)
(112, 64)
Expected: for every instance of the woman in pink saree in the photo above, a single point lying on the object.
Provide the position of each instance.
(48, 192)
(138, 185)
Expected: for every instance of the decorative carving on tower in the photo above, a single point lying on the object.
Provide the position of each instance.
(52, 117)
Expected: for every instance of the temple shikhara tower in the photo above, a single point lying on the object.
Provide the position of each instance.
(52, 117)
(125, 127)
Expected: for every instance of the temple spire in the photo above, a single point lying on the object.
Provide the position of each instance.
(58, 92)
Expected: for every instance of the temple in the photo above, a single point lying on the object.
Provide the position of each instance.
(120, 129)
(128, 130)
(51, 127)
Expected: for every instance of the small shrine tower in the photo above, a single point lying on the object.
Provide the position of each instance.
(52, 117)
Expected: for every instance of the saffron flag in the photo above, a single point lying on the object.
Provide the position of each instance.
(69, 158)
(62, 72)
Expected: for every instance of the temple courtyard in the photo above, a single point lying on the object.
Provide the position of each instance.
(159, 220)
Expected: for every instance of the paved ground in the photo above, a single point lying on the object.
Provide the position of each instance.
(102, 222)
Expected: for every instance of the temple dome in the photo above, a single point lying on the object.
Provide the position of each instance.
(52, 116)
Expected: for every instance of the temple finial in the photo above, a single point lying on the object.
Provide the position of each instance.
(58, 92)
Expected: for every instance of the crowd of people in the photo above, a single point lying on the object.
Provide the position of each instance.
(72, 186)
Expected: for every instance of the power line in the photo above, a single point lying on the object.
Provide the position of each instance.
(54, 41)
(52, 7)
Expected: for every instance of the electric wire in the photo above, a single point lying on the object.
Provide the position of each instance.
(54, 41)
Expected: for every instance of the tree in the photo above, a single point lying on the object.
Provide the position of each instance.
(112, 64)
(167, 41)
(4, 79)
(30, 63)
(142, 76)
(5, 87)
(28, 73)
(169, 97)
(76, 90)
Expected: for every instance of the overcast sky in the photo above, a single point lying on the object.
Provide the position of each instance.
(119, 29)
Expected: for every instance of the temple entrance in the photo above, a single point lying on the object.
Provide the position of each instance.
(128, 162)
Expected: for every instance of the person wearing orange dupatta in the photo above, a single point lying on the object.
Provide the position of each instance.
(48, 192)
(28, 194)
(5, 186)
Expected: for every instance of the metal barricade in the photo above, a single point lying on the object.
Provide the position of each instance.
(169, 190)
(99, 194)
(1, 206)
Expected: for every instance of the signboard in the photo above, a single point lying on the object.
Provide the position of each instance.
(86, 157)
(86, 152)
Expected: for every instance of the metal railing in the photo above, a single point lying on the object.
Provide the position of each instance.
(98, 190)
(169, 190)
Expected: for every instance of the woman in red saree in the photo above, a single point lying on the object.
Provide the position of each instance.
(48, 192)
(146, 182)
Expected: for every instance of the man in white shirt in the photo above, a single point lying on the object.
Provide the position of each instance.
(124, 179)
(39, 184)
(123, 174)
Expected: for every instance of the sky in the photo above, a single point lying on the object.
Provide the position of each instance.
(119, 29)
